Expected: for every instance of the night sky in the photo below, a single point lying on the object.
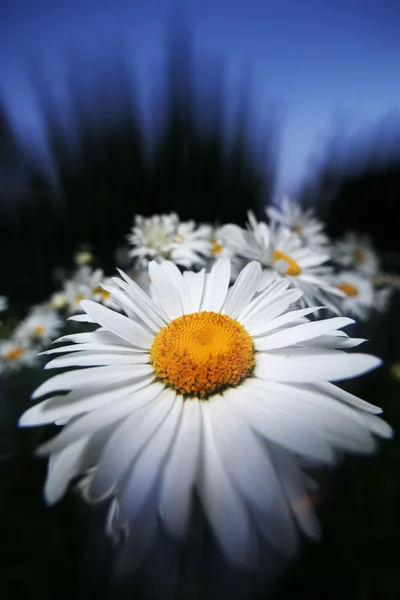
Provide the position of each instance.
(323, 63)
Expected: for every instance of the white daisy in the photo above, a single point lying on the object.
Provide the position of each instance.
(211, 381)
(359, 294)
(219, 247)
(41, 326)
(59, 301)
(283, 255)
(14, 355)
(164, 237)
(3, 303)
(355, 251)
(302, 221)
(152, 237)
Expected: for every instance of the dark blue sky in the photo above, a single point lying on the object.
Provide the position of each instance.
(322, 61)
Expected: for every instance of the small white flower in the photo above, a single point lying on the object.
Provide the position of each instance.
(3, 303)
(41, 326)
(359, 298)
(59, 301)
(219, 247)
(355, 252)
(14, 355)
(208, 388)
(302, 221)
(152, 237)
(283, 255)
(164, 237)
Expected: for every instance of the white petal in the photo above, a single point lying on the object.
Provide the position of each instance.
(239, 447)
(121, 326)
(144, 306)
(300, 333)
(285, 432)
(180, 471)
(222, 503)
(82, 318)
(116, 405)
(165, 291)
(145, 473)
(128, 440)
(179, 283)
(62, 467)
(96, 347)
(216, 285)
(195, 283)
(93, 377)
(76, 403)
(336, 392)
(93, 359)
(332, 366)
(262, 326)
(243, 290)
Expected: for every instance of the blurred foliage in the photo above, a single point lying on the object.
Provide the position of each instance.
(104, 167)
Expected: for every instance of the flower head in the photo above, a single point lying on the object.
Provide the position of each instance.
(359, 296)
(354, 251)
(188, 389)
(302, 221)
(164, 237)
(15, 354)
(284, 256)
(41, 326)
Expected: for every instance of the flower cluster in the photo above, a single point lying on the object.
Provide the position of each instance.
(209, 368)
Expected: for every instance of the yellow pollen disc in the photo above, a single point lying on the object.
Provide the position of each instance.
(359, 257)
(80, 297)
(348, 289)
(103, 293)
(216, 247)
(202, 354)
(14, 354)
(39, 330)
(298, 230)
(179, 238)
(293, 267)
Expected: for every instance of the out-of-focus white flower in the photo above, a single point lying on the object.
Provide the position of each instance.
(152, 237)
(382, 298)
(41, 326)
(59, 301)
(3, 303)
(83, 258)
(203, 387)
(219, 247)
(302, 221)
(359, 294)
(164, 237)
(14, 355)
(355, 252)
(283, 255)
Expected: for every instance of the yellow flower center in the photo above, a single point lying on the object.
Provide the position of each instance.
(79, 298)
(103, 293)
(39, 330)
(202, 354)
(298, 229)
(179, 238)
(293, 268)
(216, 247)
(359, 256)
(14, 354)
(348, 289)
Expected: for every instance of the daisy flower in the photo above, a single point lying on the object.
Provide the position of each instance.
(211, 380)
(284, 256)
(14, 355)
(152, 237)
(164, 237)
(302, 221)
(359, 293)
(41, 326)
(3, 303)
(219, 247)
(355, 251)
